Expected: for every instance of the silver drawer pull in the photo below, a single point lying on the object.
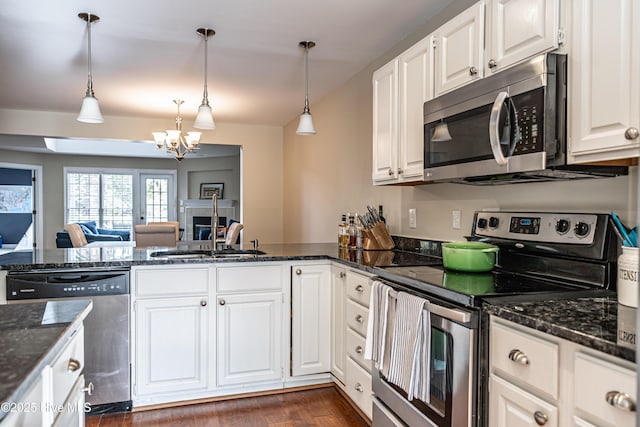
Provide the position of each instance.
(203, 303)
(343, 274)
(89, 389)
(621, 401)
(359, 349)
(73, 365)
(298, 272)
(540, 418)
(631, 134)
(222, 301)
(517, 356)
(359, 288)
(358, 387)
(359, 318)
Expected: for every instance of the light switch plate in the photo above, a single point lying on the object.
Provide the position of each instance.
(412, 218)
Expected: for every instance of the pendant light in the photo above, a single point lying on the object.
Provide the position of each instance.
(204, 119)
(90, 110)
(305, 126)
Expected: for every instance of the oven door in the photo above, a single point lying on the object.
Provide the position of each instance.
(453, 380)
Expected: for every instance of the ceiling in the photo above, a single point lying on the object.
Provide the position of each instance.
(146, 53)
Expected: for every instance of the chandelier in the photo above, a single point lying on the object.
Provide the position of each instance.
(174, 141)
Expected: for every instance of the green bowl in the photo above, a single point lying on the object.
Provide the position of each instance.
(473, 257)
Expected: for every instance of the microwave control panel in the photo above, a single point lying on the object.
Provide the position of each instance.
(530, 121)
(568, 228)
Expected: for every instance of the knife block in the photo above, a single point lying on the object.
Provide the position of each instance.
(380, 237)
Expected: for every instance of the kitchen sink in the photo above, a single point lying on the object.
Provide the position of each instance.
(205, 253)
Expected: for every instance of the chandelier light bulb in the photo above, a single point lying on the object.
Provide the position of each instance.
(305, 125)
(90, 110)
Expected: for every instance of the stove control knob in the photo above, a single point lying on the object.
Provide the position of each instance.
(493, 222)
(562, 226)
(582, 229)
(482, 223)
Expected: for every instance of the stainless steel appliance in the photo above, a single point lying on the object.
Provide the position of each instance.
(506, 127)
(541, 254)
(107, 356)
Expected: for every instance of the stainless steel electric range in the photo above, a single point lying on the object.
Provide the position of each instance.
(564, 255)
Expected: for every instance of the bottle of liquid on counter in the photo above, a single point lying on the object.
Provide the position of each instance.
(343, 232)
(359, 233)
(353, 233)
(382, 218)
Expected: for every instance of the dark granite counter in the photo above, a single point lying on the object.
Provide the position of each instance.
(31, 335)
(599, 323)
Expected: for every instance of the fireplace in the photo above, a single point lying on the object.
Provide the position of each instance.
(200, 222)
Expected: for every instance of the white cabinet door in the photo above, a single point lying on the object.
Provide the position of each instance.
(385, 122)
(460, 50)
(249, 338)
(415, 83)
(511, 406)
(311, 319)
(338, 323)
(170, 353)
(519, 29)
(604, 82)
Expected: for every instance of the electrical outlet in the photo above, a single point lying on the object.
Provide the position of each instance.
(455, 217)
(412, 218)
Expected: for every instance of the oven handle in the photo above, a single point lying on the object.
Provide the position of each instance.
(494, 131)
(444, 312)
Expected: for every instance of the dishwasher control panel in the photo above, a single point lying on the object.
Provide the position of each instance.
(61, 284)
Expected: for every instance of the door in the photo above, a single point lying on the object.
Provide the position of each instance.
(249, 338)
(158, 198)
(520, 29)
(311, 319)
(511, 406)
(171, 345)
(460, 50)
(338, 323)
(385, 122)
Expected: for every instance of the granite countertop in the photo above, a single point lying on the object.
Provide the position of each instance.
(31, 335)
(599, 323)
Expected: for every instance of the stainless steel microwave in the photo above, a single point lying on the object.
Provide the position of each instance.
(508, 127)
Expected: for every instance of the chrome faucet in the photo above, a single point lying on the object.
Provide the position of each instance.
(214, 220)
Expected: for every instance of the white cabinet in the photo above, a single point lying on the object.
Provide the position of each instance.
(311, 319)
(171, 332)
(338, 325)
(249, 317)
(604, 82)
(400, 88)
(249, 338)
(460, 50)
(513, 407)
(519, 29)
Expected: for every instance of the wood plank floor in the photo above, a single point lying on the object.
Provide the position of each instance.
(320, 407)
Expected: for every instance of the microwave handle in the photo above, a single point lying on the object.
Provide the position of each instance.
(494, 131)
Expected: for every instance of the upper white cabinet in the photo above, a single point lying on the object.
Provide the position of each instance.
(519, 29)
(604, 82)
(400, 88)
(459, 50)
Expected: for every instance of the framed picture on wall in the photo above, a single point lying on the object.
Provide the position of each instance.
(207, 190)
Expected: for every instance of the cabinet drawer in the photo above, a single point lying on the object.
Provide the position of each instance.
(249, 278)
(525, 359)
(595, 378)
(355, 349)
(357, 316)
(359, 386)
(358, 288)
(66, 369)
(171, 281)
(512, 406)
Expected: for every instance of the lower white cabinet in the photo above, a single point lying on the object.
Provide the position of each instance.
(513, 407)
(338, 328)
(249, 338)
(311, 319)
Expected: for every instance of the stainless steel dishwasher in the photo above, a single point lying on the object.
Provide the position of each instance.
(107, 355)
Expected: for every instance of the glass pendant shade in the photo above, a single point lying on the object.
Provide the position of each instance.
(441, 133)
(90, 111)
(204, 119)
(305, 125)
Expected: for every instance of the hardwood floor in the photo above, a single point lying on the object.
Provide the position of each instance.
(320, 407)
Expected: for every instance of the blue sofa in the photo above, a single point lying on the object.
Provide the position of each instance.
(93, 234)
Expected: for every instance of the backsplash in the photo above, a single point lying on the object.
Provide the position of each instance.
(424, 247)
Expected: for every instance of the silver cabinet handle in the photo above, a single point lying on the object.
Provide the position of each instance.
(343, 274)
(540, 417)
(89, 389)
(358, 387)
(203, 303)
(74, 365)
(518, 356)
(390, 172)
(473, 71)
(631, 133)
(359, 318)
(359, 288)
(492, 63)
(298, 272)
(222, 302)
(621, 401)
(359, 349)
(399, 171)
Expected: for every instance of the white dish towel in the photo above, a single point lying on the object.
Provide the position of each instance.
(411, 347)
(375, 344)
